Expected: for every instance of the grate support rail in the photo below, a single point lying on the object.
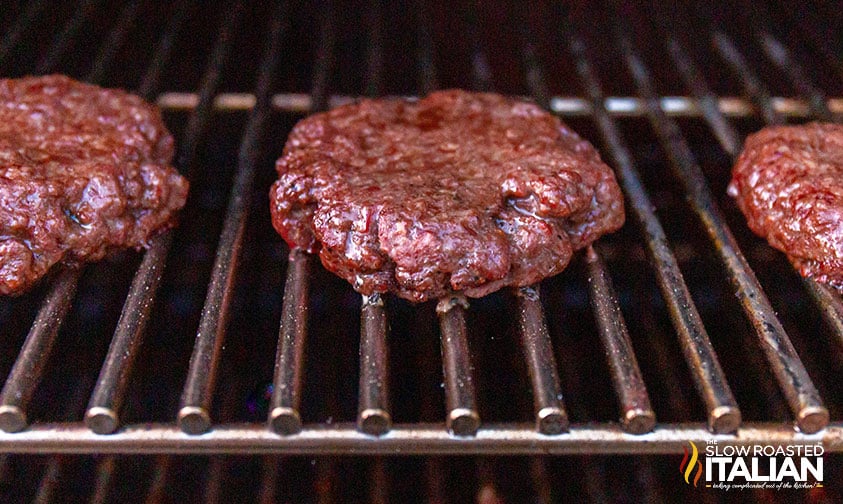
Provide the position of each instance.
(410, 439)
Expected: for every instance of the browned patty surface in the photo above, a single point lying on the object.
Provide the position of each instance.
(457, 192)
(83, 171)
(788, 181)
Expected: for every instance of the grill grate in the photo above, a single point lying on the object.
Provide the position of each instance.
(557, 425)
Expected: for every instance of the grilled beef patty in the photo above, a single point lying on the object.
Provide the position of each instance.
(456, 193)
(788, 181)
(83, 171)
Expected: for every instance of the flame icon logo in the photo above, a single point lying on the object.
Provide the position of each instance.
(688, 466)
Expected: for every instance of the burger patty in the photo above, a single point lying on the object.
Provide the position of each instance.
(456, 193)
(83, 171)
(788, 181)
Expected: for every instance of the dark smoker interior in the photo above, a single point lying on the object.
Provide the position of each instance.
(233, 77)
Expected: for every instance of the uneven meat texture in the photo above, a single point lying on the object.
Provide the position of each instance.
(788, 181)
(458, 192)
(83, 171)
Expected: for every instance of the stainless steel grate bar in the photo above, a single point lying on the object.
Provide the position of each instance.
(637, 416)
(374, 57)
(793, 379)
(29, 366)
(39, 342)
(270, 467)
(324, 60)
(160, 58)
(549, 410)
(830, 305)
(460, 396)
(828, 302)
(723, 414)
(780, 55)
(378, 482)
(373, 415)
(818, 33)
(102, 415)
(214, 480)
(16, 31)
(194, 415)
(114, 41)
(424, 52)
(50, 481)
(481, 72)
(540, 477)
(325, 484)
(158, 483)
(706, 100)
(64, 40)
(754, 87)
(104, 478)
(284, 417)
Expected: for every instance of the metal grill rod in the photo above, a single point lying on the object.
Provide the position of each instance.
(816, 31)
(828, 302)
(50, 480)
(779, 54)
(374, 59)
(550, 415)
(284, 416)
(105, 475)
(460, 395)
(160, 57)
(373, 410)
(723, 414)
(433, 466)
(793, 379)
(324, 60)
(158, 485)
(373, 415)
(102, 415)
(64, 40)
(637, 415)
(724, 131)
(549, 411)
(754, 87)
(28, 367)
(567, 106)
(194, 415)
(378, 482)
(214, 480)
(114, 41)
(481, 72)
(548, 406)
(22, 24)
(424, 55)
(404, 439)
(270, 468)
